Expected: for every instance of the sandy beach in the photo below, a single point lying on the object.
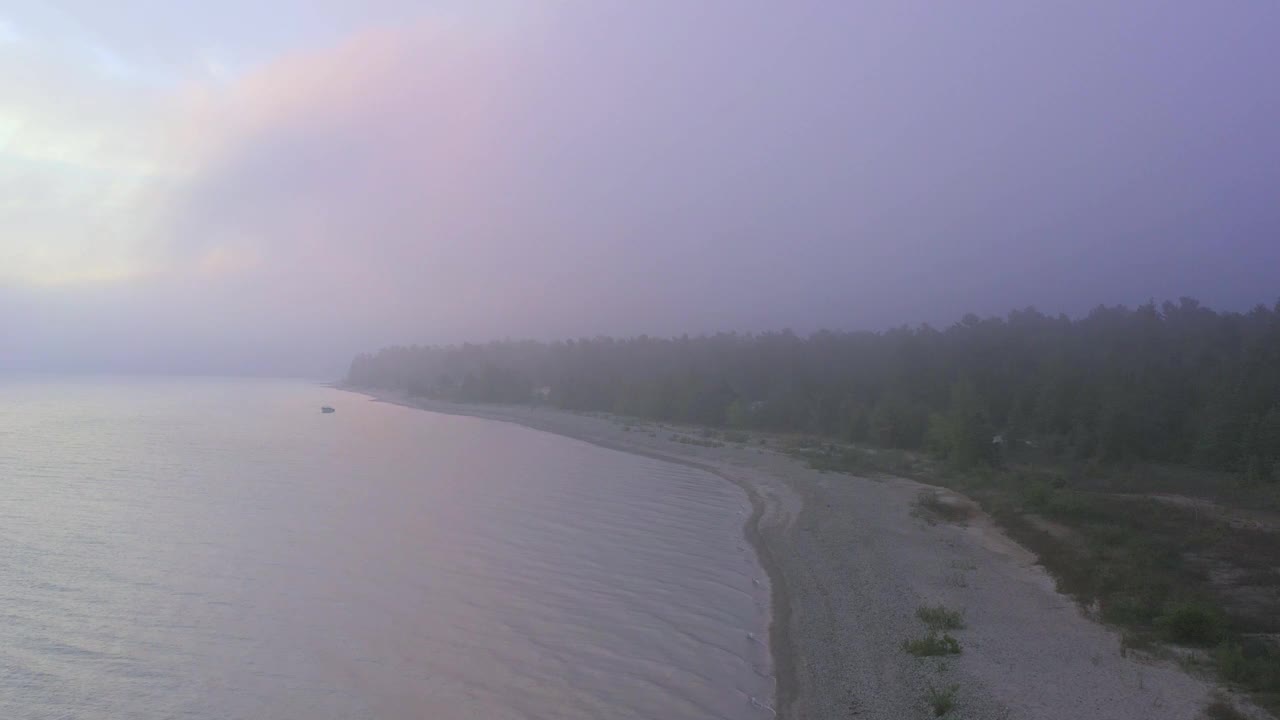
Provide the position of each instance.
(849, 564)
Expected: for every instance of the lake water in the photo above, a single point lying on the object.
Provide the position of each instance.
(211, 548)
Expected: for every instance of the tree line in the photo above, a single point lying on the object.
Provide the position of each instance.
(1171, 383)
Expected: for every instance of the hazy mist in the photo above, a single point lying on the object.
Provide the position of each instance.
(270, 188)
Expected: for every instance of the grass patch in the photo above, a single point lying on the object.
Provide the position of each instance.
(1192, 623)
(1160, 570)
(932, 645)
(1222, 709)
(686, 440)
(853, 460)
(941, 700)
(1139, 642)
(940, 618)
(1252, 665)
(1141, 564)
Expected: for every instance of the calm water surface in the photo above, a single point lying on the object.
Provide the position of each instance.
(206, 548)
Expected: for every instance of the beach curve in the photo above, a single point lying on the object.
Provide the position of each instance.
(848, 565)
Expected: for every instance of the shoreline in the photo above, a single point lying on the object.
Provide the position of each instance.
(780, 647)
(849, 561)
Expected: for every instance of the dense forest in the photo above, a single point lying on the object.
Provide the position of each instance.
(1170, 383)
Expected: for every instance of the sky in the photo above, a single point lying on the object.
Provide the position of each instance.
(271, 187)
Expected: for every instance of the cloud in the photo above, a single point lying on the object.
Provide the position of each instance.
(637, 166)
(265, 207)
(632, 167)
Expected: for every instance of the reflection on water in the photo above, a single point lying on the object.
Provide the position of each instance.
(221, 549)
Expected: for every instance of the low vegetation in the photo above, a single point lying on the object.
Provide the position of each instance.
(1160, 571)
(938, 618)
(941, 700)
(1253, 665)
(1192, 623)
(700, 442)
(833, 457)
(934, 644)
(1180, 570)
(1222, 709)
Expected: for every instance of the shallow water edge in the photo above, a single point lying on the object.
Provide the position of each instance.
(780, 647)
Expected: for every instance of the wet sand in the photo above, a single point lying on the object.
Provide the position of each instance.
(849, 564)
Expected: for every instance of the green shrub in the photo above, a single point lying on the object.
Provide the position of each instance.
(942, 700)
(1231, 662)
(1037, 494)
(1221, 709)
(938, 618)
(848, 460)
(932, 645)
(684, 440)
(1192, 624)
(1140, 641)
(1255, 667)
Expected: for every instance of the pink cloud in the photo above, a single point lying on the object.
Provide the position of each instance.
(668, 167)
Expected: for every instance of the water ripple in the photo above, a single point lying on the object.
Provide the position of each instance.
(218, 549)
